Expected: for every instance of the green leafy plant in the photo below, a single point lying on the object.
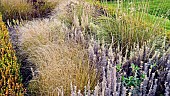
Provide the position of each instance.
(134, 80)
(118, 67)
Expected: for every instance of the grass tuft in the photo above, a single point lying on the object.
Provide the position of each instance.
(24, 9)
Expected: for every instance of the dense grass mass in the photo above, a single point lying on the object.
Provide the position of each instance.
(128, 26)
(85, 48)
(10, 79)
(140, 10)
(58, 61)
(25, 9)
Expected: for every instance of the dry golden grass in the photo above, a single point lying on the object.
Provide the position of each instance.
(59, 65)
(59, 62)
(25, 9)
(11, 7)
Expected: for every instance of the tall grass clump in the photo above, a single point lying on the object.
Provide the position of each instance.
(25, 9)
(10, 78)
(60, 61)
(126, 25)
(15, 9)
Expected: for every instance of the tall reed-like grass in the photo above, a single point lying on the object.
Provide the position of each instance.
(127, 25)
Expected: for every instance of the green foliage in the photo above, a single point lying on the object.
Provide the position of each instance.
(155, 7)
(118, 67)
(131, 81)
(159, 8)
(129, 24)
(10, 80)
(134, 80)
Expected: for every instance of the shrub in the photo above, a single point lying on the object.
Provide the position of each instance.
(10, 79)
